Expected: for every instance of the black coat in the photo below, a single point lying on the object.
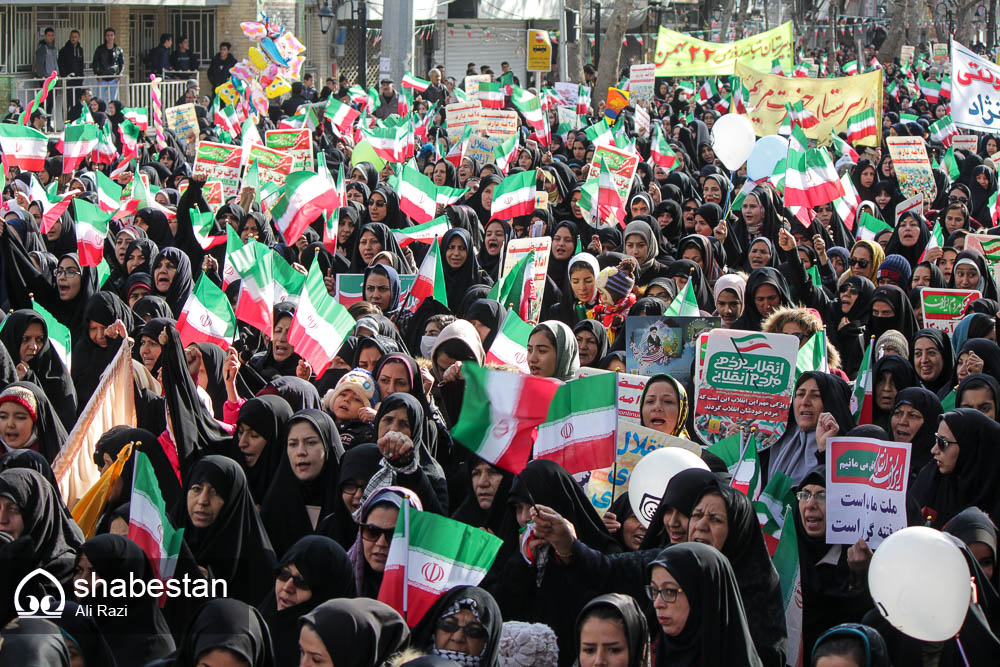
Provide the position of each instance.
(71, 60)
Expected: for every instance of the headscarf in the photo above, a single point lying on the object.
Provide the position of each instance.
(903, 377)
(633, 622)
(491, 263)
(49, 433)
(394, 218)
(567, 350)
(359, 632)
(103, 308)
(81, 631)
(688, 269)
(268, 417)
(682, 493)
(483, 607)
(716, 632)
(458, 279)
(231, 625)
(682, 400)
(902, 320)
(876, 252)
(973, 325)
(600, 334)
(910, 253)
(941, 342)
(33, 642)
(643, 229)
(751, 317)
(385, 238)
(986, 350)
(489, 313)
(929, 406)
(712, 254)
(389, 274)
(182, 284)
(470, 512)
(987, 285)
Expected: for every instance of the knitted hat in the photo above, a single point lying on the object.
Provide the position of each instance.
(892, 342)
(360, 382)
(618, 281)
(897, 269)
(528, 645)
(23, 397)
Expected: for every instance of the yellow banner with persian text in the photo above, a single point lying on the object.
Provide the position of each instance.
(833, 101)
(680, 54)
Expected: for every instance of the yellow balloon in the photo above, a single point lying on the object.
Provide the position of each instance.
(277, 87)
(257, 57)
(227, 92)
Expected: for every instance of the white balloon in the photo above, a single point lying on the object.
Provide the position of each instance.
(733, 138)
(651, 475)
(765, 155)
(919, 581)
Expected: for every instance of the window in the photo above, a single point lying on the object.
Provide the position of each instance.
(199, 27)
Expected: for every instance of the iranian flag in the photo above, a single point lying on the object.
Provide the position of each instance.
(504, 154)
(610, 207)
(684, 304)
(53, 206)
(307, 196)
(510, 346)
(392, 144)
(255, 265)
(776, 67)
(861, 400)
(422, 125)
(811, 179)
(491, 95)
(722, 106)
(871, 227)
(233, 244)
(528, 104)
(149, 522)
(742, 462)
(579, 431)
(40, 98)
(430, 280)
(202, 224)
(23, 147)
(514, 196)
(91, 231)
(105, 151)
(330, 228)
(500, 414)
(660, 152)
(861, 125)
(851, 68)
(130, 135)
(226, 119)
(600, 134)
(446, 196)
(812, 355)
(847, 205)
(994, 208)
(943, 130)
(708, 90)
(457, 152)
(207, 316)
(358, 95)
(843, 148)
(342, 116)
(514, 290)
(109, 193)
(416, 196)
(78, 142)
(430, 555)
(582, 100)
(799, 114)
(414, 83)
(425, 233)
(786, 562)
(59, 335)
(321, 324)
(138, 116)
(945, 90)
(929, 89)
(950, 164)
(937, 234)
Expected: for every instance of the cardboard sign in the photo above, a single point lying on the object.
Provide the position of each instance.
(630, 388)
(655, 344)
(567, 92)
(914, 204)
(965, 142)
(642, 121)
(460, 114)
(273, 166)
(472, 82)
(498, 123)
(568, 116)
(640, 82)
(906, 54)
(481, 149)
(622, 165)
(866, 482)
(944, 308)
(748, 380)
(295, 142)
(516, 250)
(350, 286)
(213, 192)
(221, 163)
(912, 166)
(539, 50)
(183, 120)
(939, 52)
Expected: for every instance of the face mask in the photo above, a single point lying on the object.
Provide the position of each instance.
(12, 109)
(427, 346)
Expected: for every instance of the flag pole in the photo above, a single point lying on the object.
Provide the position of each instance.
(406, 558)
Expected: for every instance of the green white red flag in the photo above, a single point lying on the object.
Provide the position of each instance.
(320, 325)
(341, 116)
(203, 223)
(138, 116)
(510, 347)
(457, 151)
(515, 196)
(109, 193)
(414, 82)
(254, 264)
(799, 114)
(843, 148)
(130, 135)
(515, 290)
(861, 400)
(40, 98)
(861, 125)
(23, 147)
(428, 232)
(149, 521)
(929, 89)
(78, 142)
(786, 562)
(392, 144)
(429, 555)
(871, 227)
(330, 228)
(491, 94)
(207, 316)
(91, 231)
(580, 429)
(528, 104)
(942, 130)
(430, 280)
(504, 153)
(937, 234)
(417, 195)
(610, 207)
(812, 355)
(660, 152)
(307, 196)
(811, 179)
(59, 335)
(105, 151)
(739, 453)
(500, 414)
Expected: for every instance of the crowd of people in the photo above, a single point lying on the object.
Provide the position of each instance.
(289, 486)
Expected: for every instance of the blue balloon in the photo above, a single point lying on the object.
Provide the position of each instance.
(767, 152)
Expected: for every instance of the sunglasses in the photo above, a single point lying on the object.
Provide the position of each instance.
(472, 630)
(691, 209)
(371, 533)
(299, 581)
(943, 443)
(847, 289)
(857, 261)
(958, 200)
(374, 203)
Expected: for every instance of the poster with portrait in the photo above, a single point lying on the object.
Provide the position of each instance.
(912, 166)
(655, 344)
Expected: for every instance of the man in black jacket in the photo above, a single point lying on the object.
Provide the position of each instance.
(71, 57)
(222, 62)
(108, 65)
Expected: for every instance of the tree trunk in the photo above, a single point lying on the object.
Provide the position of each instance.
(898, 10)
(741, 18)
(726, 17)
(574, 50)
(836, 9)
(611, 51)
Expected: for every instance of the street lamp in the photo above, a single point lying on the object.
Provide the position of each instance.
(325, 15)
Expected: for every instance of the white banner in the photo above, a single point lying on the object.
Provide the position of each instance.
(975, 90)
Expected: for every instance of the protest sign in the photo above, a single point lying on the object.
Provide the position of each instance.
(568, 116)
(975, 102)
(516, 250)
(832, 101)
(906, 54)
(866, 484)
(680, 54)
(939, 51)
(295, 142)
(219, 162)
(214, 196)
(622, 165)
(641, 121)
(459, 115)
(913, 168)
(498, 123)
(272, 165)
(481, 149)
(630, 388)
(472, 85)
(567, 92)
(640, 82)
(183, 120)
(944, 308)
(655, 344)
(748, 380)
(965, 142)
(914, 204)
(349, 286)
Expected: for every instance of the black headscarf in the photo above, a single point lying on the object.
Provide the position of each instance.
(987, 285)
(385, 238)
(482, 605)
(284, 510)
(911, 253)
(299, 393)
(235, 547)
(33, 642)
(28, 458)
(268, 417)
(490, 313)
(359, 632)
(231, 625)
(688, 269)
(491, 263)
(327, 570)
(751, 318)
(148, 249)
(597, 330)
(903, 376)
(927, 404)
(942, 383)
(151, 307)
(457, 280)
(182, 284)
(633, 620)
(81, 631)
(716, 632)
(89, 358)
(142, 635)
(902, 320)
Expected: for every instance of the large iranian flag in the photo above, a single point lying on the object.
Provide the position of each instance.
(429, 555)
(491, 95)
(23, 147)
(529, 105)
(78, 142)
(321, 324)
(91, 231)
(207, 316)
(510, 346)
(307, 196)
(515, 196)
(786, 562)
(149, 523)
(500, 414)
(579, 431)
(861, 125)
(811, 179)
(342, 116)
(109, 193)
(254, 263)
(425, 233)
(430, 280)
(417, 195)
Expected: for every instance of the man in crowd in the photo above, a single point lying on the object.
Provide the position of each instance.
(46, 60)
(222, 62)
(108, 64)
(183, 59)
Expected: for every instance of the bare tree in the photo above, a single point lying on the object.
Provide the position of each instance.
(727, 15)
(611, 50)
(899, 11)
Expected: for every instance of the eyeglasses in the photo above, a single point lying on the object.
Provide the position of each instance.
(958, 200)
(472, 630)
(805, 496)
(943, 443)
(371, 533)
(666, 594)
(859, 262)
(847, 289)
(691, 209)
(299, 581)
(350, 488)
(374, 203)
(69, 273)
